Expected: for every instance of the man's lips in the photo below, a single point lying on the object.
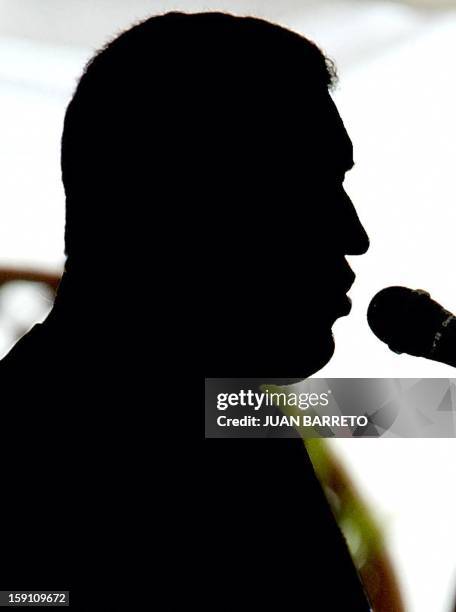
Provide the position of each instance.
(342, 303)
(334, 302)
(345, 306)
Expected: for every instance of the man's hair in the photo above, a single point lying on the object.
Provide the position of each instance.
(154, 81)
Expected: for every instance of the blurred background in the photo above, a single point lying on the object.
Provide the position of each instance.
(397, 96)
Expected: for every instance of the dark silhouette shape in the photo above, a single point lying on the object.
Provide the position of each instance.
(195, 144)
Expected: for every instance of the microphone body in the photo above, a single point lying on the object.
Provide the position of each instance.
(445, 343)
(410, 321)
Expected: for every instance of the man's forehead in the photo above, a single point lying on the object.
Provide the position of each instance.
(343, 146)
(325, 138)
(302, 131)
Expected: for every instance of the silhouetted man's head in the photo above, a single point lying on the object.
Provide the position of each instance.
(214, 138)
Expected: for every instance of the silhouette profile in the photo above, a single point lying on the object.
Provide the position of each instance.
(203, 160)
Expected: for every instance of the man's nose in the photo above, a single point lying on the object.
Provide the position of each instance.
(356, 240)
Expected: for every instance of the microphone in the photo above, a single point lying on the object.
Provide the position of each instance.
(410, 321)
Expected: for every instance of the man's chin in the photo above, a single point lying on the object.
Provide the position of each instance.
(311, 353)
(295, 354)
(318, 352)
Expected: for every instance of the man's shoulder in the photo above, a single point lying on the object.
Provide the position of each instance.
(28, 364)
(25, 348)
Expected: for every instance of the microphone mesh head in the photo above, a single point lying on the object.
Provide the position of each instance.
(406, 319)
